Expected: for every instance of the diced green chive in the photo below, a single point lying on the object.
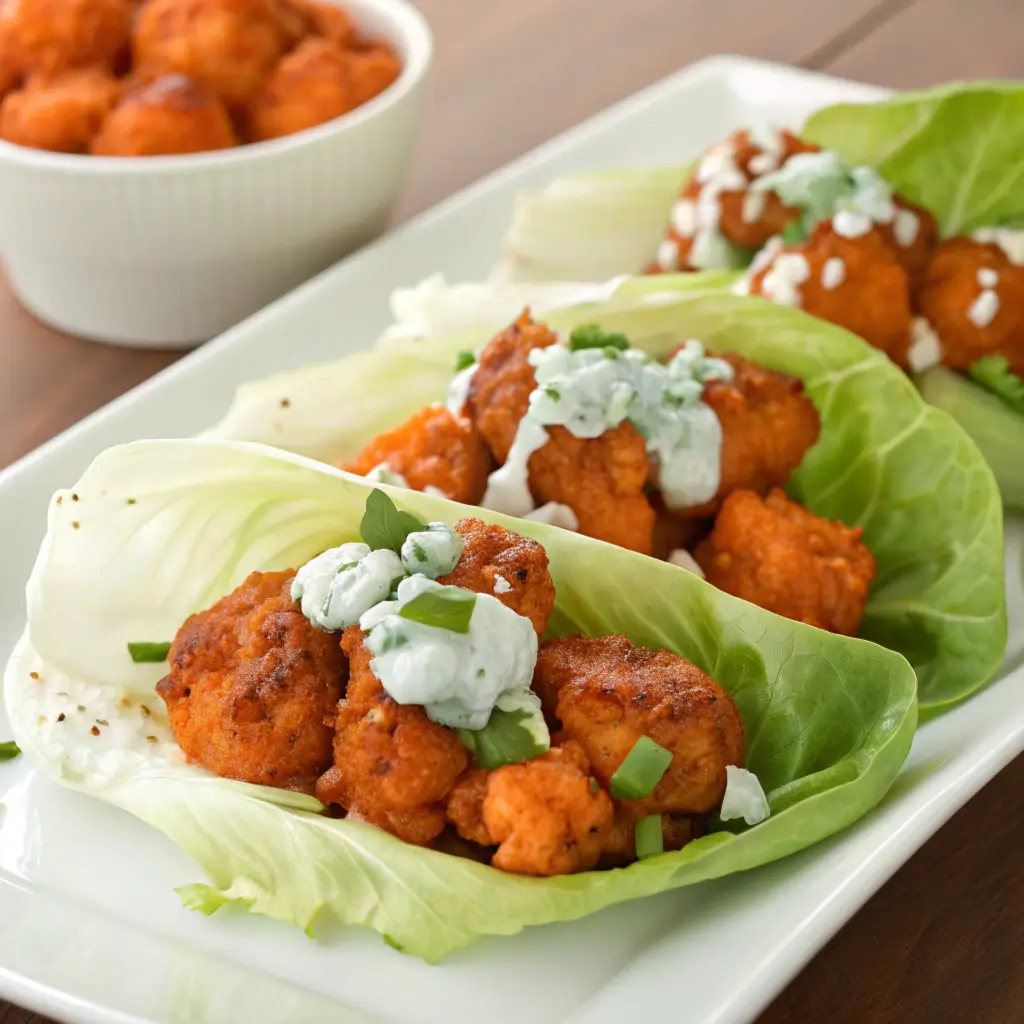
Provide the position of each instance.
(464, 361)
(594, 336)
(9, 750)
(346, 567)
(553, 393)
(505, 739)
(649, 839)
(450, 608)
(143, 652)
(383, 526)
(642, 770)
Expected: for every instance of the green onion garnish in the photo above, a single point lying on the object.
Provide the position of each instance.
(447, 608)
(9, 750)
(384, 526)
(464, 361)
(649, 840)
(142, 652)
(505, 739)
(641, 771)
(593, 336)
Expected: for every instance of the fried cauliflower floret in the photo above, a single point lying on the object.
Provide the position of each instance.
(328, 21)
(546, 815)
(310, 85)
(62, 113)
(607, 693)
(499, 394)
(768, 424)
(251, 682)
(853, 282)
(433, 448)
(393, 767)
(743, 220)
(672, 531)
(774, 553)
(973, 296)
(911, 239)
(55, 35)
(10, 58)
(228, 46)
(601, 479)
(170, 115)
(372, 69)
(490, 552)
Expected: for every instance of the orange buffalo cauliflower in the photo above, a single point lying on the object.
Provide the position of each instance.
(774, 553)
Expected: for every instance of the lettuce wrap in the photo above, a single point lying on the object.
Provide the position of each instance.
(954, 149)
(886, 461)
(156, 530)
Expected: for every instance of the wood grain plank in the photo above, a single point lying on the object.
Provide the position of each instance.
(937, 41)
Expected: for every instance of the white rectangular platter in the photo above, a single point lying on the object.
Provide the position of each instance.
(90, 928)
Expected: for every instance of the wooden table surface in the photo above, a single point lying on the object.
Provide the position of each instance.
(942, 940)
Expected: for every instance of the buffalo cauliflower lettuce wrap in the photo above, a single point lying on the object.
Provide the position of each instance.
(379, 706)
(900, 220)
(770, 452)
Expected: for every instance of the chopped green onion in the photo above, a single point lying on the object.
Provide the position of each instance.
(649, 839)
(383, 526)
(642, 770)
(143, 652)
(9, 750)
(593, 336)
(464, 361)
(449, 608)
(505, 739)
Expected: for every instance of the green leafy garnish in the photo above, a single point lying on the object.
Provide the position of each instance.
(384, 525)
(649, 839)
(553, 393)
(594, 336)
(795, 231)
(143, 652)
(346, 567)
(9, 750)
(464, 360)
(642, 770)
(447, 608)
(505, 739)
(994, 374)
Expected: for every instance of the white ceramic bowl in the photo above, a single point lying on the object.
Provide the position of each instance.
(170, 251)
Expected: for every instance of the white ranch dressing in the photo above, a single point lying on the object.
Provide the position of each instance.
(833, 273)
(925, 347)
(1010, 240)
(592, 390)
(782, 282)
(984, 309)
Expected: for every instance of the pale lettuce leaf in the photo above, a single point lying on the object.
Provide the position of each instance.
(162, 528)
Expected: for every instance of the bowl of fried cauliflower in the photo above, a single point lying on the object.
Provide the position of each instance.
(167, 167)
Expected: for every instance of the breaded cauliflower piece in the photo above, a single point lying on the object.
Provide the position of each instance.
(547, 816)
(168, 116)
(973, 296)
(768, 424)
(607, 693)
(372, 68)
(911, 237)
(393, 767)
(490, 552)
(61, 113)
(774, 553)
(50, 36)
(433, 448)
(250, 685)
(855, 282)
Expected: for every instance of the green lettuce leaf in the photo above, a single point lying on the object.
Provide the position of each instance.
(886, 461)
(993, 373)
(162, 528)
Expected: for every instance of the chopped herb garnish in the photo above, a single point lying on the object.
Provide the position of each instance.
(346, 567)
(505, 739)
(611, 352)
(74, 497)
(553, 393)
(130, 501)
(81, 708)
(795, 231)
(9, 750)
(649, 839)
(448, 608)
(393, 642)
(151, 739)
(642, 770)
(994, 374)
(384, 526)
(142, 651)
(593, 336)
(102, 721)
(464, 361)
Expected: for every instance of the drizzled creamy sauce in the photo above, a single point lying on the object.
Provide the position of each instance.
(1010, 240)
(925, 347)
